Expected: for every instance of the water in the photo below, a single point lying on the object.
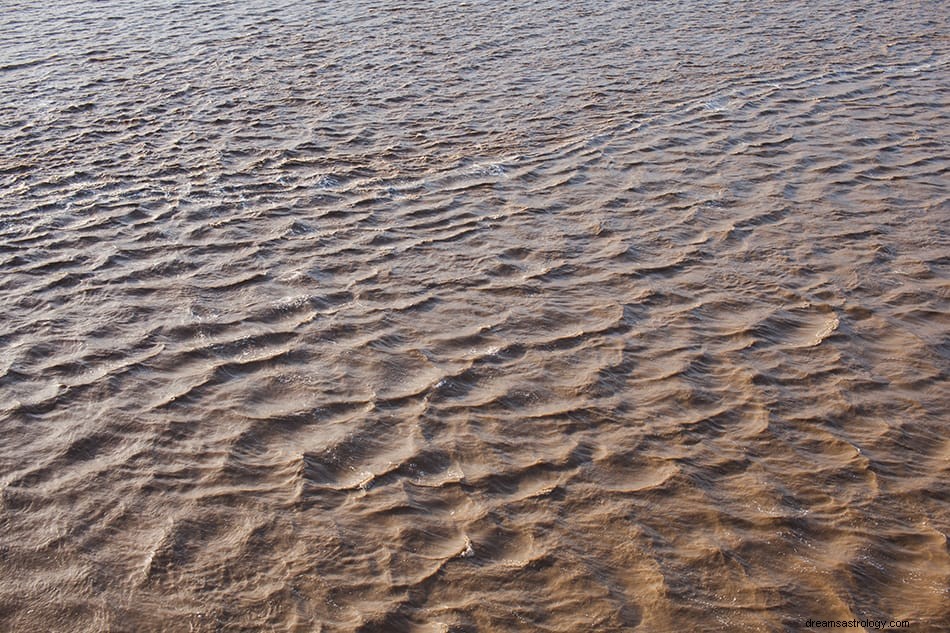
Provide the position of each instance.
(473, 316)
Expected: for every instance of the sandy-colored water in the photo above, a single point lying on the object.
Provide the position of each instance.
(473, 316)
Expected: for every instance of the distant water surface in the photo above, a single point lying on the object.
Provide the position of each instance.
(473, 316)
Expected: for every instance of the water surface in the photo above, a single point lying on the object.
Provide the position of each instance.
(473, 316)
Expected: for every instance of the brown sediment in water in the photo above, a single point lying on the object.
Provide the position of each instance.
(473, 317)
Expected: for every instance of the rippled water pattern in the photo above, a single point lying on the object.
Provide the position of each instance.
(473, 316)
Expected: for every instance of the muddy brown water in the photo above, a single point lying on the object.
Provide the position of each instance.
(473, 316)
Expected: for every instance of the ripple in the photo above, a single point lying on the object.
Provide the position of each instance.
(475, 317)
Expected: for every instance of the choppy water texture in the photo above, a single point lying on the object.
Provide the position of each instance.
(473, 316)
